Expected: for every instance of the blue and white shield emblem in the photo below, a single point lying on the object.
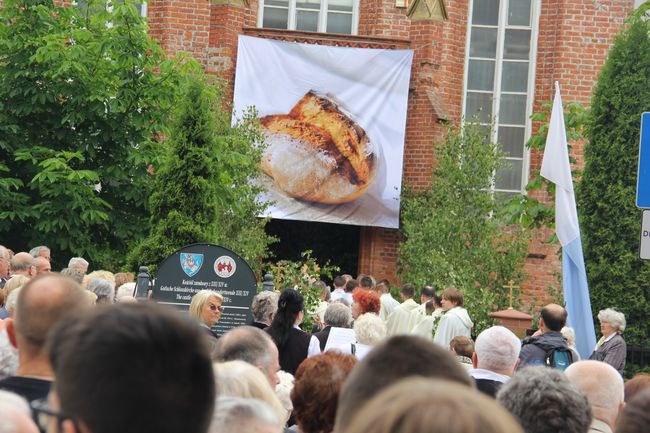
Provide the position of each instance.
(191, 263)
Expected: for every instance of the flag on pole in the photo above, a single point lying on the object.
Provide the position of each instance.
(556, 168)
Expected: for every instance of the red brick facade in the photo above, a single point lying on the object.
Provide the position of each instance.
(573, 39)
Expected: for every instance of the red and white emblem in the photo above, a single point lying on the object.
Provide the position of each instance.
(225, 266)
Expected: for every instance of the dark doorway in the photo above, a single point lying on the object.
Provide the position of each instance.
(338, 243)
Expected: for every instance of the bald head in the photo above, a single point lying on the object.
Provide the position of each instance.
(21, 264)
(554, 317)
(602, 385)
(252, 345)
(42, 265)
(42, 302)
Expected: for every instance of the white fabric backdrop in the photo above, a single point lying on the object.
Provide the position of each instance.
(372, 83)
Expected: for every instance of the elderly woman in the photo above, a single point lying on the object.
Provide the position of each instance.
(369, 330)
(611, 347)
(315, 393)
(206, 309)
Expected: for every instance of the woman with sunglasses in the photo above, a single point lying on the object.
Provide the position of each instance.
(206, 308)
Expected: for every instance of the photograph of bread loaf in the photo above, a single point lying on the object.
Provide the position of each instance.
(318, 152)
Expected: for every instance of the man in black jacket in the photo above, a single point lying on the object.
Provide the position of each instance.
(548, 338)
(337, 315)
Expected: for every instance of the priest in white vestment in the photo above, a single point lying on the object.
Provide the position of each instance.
(418, 314)
(455, 321)
(400, 319)
(388, 303)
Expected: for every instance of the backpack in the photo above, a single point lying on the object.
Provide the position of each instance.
(560, 358)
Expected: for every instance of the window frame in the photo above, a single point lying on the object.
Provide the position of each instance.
(322, 17)
(502, 26)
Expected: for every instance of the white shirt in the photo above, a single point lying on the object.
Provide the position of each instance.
(480, 373)
(314, 345)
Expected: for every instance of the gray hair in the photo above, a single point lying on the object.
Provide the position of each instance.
(544, 401)
(338, 315)
(102, 288)
(234, 414)
(20, 263)
(12, 298)
(613, 317)
(245, 343)
(369, 329)
(497, 348)
(4, 252)
(76, 261)
(126, 289)
(34, 252)
(570, 335)
(264, 305)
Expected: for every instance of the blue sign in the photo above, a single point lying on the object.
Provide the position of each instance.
(643, 179)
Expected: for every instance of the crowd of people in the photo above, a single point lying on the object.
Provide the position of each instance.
(79, 354)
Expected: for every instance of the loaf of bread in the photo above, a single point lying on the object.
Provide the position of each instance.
(317, 152)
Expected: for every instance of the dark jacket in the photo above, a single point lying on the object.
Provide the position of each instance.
(294, 351)
(259, 325)
(612, 352)
(323, 336)
(534, 349)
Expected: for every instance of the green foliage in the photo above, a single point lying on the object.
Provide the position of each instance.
(610, 222)
(81, 103)
(301, 275)
(203, 190)
(454, 235)
(526, 210)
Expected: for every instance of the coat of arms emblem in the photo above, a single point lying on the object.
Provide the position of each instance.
(191, 263)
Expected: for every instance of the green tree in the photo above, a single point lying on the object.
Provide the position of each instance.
(453, 233)
(82, 99)
(203, 190)
(610, 222)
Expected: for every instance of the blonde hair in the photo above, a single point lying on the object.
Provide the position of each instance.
(101, 274)
(241, 379)
(198, 302)
(13, 283)
(406, 407)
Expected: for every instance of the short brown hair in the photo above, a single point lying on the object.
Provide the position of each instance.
(315, 393)
(407, 407)
(397, 358)
(463, 346)
(453, 295)
(634, 386)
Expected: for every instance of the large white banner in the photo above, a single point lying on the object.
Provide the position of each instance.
(333, 119)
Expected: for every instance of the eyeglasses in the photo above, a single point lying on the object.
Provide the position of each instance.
(215, 307)
(42, 413)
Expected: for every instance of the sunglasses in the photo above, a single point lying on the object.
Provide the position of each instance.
(215, 307)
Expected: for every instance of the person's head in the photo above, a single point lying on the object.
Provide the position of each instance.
(23, 264)
(350, 285)
(366, 283)
(42, 303)
(12, 299)
(365, 301)
(5, 262)
(451, 297)
(132, 368)
(123, 278)
(570, 335)
(241, 379)
(42, 265)
(369, 329)
(497, 349)
(426, 294)
(41, 251)
(611, 321)
(316, 390)
(74, 273)
(15, 414)
(252, 345)
(100, 274)
(206, 307)
(290, 312)
(248, 415)
(544, 401)
(602, 385)
(640, 382)
(103, 289)
(13, 283)
(264, 306)
(392, 361)
(462, 346)
(338, 315)
(382, 287)
(635, 417)
(324, 294)
(417, 405)
(552, 318)
(408, 291)
(126, 290)
(78, 263)
(338, 282)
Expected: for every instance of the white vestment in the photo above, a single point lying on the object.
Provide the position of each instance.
(427, 324)
(455, 322)
(399, 320)
(388, 304)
